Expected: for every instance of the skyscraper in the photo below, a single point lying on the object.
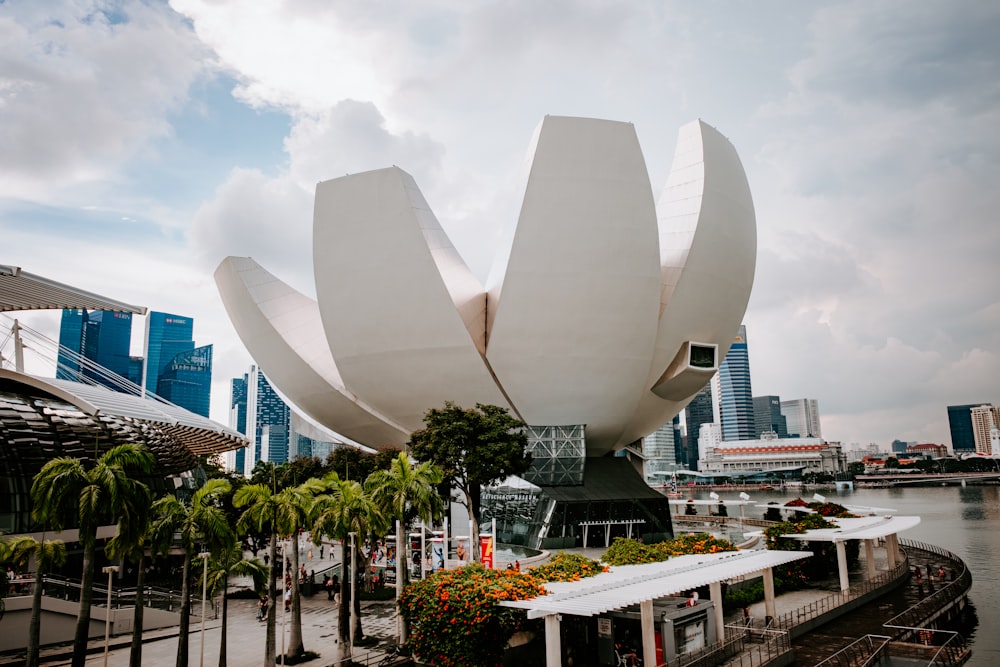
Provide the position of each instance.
(266, 420)
(187, 380)
(960, 422)
(802, 415)
(166, 336)
(767, 416)
(102, 337)
(985, 418)
(699, 411)
(735, 393)
(174, 368)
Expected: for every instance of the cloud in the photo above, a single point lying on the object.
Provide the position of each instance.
(82, 90)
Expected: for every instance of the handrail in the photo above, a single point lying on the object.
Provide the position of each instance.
(865, 649)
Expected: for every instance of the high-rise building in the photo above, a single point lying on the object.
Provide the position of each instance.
(699, 411)
(238, 417)
(802, 418)
(985, 419)
(166, 336)
(267, 420)
(100, 336)
(187, 380)
(767, 416)
(735, 393)
(659, 453)
(960, 422)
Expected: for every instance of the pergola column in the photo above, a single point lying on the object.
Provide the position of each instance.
(870, 558)
(715, 593)
(553, 647)
(891, 550)
(769, 608)
(845, 582)
(648, 632)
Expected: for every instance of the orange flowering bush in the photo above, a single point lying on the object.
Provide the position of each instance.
(454, 617)
(631, 552)
(567, 567)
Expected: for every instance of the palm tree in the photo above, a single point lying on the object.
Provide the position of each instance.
(293, 506)
(230, 562)
(130, 543)
(261, 514)
(400, 492)
(47, 554)
(345, 508)
(65, 492)
(200, 522)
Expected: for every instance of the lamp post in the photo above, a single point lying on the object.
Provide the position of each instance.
(354, 591)
(110, 571)
(204, 555)
(284, 578)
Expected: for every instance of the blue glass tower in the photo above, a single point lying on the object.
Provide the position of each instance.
(736, 395)
(101, 336)
(166, 336)
(238, 415)
(699, 411)
(258, 412)
(187, 380)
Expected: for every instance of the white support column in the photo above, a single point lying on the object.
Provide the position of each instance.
(715, 592)
(870, 557)
(607, 535)
(891, 550)
(648, 632)
(845, 582)
(553, 645)
(769, 608)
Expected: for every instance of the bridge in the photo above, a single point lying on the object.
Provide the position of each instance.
(916, 478)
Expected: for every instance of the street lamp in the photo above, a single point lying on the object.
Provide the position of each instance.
(110, 571)
(354, 590)
(204, 593)
(284, 580)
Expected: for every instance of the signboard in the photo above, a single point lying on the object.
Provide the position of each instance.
(486, 549)
(604, 627)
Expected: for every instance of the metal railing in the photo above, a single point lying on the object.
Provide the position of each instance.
(869, 650)
(744, 647)
(65, 588)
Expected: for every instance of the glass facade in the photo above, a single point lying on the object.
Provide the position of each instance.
(100, 336)
(699, 411)
(187, 380)
(736, 395)
(166, 336)
(960, 422)
(238, 415)
(557, 454)
(767, 416)
(264, 417)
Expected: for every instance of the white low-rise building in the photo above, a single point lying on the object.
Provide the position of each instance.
(750, 456)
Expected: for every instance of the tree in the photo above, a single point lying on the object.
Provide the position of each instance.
(341, 507)
(261, 514)
(473, 448)
(47, 554)
(230, 562)
(200, 522)
(400, 491)
(891, 463)
(130, 543)
(292, 511)
(65, 492)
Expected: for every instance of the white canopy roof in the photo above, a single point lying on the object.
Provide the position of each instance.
(20, 290)
(864, 528)
(626, 585)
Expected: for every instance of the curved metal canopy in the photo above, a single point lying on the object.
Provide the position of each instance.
(20, 290)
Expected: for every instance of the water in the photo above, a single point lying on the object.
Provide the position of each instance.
(964, 520)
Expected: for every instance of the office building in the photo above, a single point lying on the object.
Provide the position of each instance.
(660, 451)
(767, 417)
(985, 419)
(167, 336)
(257, 411)
(960, 422)
(91, 341)
(802, 418)
(187, 380)
(735, 393)
(788, 456)
(699, 411)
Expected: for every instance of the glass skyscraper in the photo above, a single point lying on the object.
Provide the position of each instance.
(166, 336)
(238, 415)
(187, 380)
(266, 420)
(699, 411)
(960, 422)
(735, 393)
(767, 416)
(100, 336)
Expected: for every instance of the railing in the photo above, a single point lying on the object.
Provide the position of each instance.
(816, 609)
(869, 650)
(65, 588)
(743, 647)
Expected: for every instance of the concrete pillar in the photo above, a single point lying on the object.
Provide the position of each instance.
(648, 632)
(891, 550)
(715, 592)
(845, 582)
(769, 608)
(870, 558)
(553, 644)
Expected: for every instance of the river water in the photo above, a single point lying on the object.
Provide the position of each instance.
(964, 520)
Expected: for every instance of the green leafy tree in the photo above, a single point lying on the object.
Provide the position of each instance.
(47, 554)
(342, 507)
(891, 463)
(66, 492)
(292, 513)
(200, 523)
(129, 543)
(473, 448)
(229, 562)
(261, 515)
(402, 491)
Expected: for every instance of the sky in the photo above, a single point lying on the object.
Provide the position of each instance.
(143, 142)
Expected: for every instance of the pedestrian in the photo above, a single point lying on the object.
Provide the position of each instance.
(941, 573)
(517, 566)
(267, 559)
(262, 607)
(321, 551)
(288, 599)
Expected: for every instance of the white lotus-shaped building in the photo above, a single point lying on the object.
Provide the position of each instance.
(605, 312)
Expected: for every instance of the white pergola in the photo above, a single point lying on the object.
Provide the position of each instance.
(626, 585)
(869, 529)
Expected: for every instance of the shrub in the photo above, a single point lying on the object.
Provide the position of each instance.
(632, 552)
(567, 567)
(454, 616)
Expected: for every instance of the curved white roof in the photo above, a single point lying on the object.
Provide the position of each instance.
(598, 297)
